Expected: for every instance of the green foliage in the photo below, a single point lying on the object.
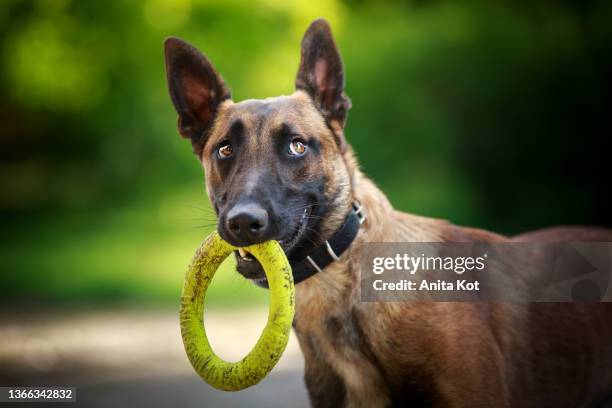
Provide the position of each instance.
(462, 111)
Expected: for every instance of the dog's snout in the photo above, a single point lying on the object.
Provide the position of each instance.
(247, 224)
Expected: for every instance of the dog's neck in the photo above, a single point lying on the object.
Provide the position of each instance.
(339, 282)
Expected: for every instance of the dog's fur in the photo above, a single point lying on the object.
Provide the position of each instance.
(367, 353)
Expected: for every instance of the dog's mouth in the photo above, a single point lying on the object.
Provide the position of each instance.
(250, 268)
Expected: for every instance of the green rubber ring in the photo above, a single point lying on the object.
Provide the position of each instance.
(273, 340)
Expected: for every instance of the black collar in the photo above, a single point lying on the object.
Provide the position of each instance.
(330, 251)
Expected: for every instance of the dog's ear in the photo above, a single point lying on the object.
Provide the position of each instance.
(196, 90)
(321, 75)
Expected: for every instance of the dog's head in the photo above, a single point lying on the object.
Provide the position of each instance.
(275, 168)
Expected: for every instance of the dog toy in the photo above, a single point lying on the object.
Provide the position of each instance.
(273, 340)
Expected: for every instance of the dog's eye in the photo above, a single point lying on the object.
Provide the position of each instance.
(225, 150)
(297, 147)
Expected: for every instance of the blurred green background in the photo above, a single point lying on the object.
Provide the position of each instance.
(491, 114)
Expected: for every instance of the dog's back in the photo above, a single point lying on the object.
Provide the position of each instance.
(567, 347)
(546, 354)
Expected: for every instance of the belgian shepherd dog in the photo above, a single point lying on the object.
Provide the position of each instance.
(281, 168)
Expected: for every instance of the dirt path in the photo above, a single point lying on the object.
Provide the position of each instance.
(136, 358)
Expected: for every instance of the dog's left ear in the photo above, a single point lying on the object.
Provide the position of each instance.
(321, 75)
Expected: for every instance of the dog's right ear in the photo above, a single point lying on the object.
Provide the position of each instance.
(196, 90)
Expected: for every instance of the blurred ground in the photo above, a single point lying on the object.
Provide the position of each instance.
(136, 358)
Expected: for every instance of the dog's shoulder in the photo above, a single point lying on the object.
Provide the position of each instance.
(455, 233)
(424, 229)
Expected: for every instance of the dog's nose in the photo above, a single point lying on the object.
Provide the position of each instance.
(247, 224)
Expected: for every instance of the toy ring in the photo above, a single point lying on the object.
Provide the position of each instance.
(273, 340)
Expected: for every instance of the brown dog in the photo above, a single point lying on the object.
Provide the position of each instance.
(280, 168)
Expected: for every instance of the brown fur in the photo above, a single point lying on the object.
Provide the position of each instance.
(378, 354)
(447, 354)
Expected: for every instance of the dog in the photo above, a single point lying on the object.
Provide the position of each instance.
(281, 169)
